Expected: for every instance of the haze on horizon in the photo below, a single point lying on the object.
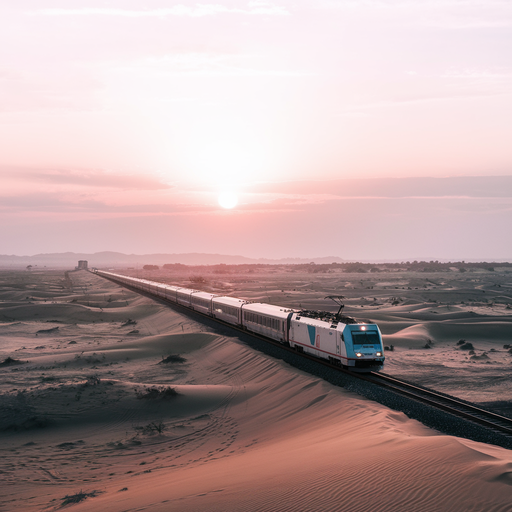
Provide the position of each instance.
(364, 129)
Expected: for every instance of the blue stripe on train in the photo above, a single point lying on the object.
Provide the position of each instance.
(311, 332)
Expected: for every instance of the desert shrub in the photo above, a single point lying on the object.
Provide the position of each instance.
(467, 346)
(483, 356)
(92, 380)
(78, 497)
(198, 279)
(154, 393)
(9, 361)
(461, 342)
(152, 427)
(173, 358)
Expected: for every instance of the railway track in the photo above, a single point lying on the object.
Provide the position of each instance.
(449, 404)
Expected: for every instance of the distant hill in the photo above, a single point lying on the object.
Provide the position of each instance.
(117, 259)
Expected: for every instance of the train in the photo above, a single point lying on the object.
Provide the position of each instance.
(344, 342)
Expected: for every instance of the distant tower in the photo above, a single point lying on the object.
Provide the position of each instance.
(82, 265)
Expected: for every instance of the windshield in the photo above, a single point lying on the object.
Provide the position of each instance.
(366, 338)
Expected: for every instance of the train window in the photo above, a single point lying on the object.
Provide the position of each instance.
(366, 338)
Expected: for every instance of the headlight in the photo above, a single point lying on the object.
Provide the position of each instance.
(378, 354)
(363, 328)
(358, 354)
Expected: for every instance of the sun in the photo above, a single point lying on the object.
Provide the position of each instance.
(228, 199)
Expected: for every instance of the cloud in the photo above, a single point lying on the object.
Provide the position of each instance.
(202, 64)
(423, 4)
(436, 14)
(361, 109)
(99, 179)
(450, 187)
(75, 197)
(61, 206)
(478, 74)
(199, 10)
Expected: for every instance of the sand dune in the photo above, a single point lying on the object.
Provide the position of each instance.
(93, 412)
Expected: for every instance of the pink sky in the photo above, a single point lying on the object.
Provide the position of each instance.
(122, 122)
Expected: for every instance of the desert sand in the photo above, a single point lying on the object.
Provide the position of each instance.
(112, 401)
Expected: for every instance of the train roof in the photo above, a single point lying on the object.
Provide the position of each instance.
(314, 321)
(230, 301)
(185, 290)
(204, 295)
(327, 316)
(325, 319)
(268, 309)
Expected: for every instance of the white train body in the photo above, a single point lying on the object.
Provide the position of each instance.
(202, 302)
(183, 296)
(228, 309)
(356, 346)
(267, 320)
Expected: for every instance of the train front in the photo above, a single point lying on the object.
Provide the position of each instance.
(363, 343)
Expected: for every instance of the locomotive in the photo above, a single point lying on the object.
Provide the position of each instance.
(337, 338)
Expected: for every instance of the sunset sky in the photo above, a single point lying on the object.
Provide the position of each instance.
(364, 129)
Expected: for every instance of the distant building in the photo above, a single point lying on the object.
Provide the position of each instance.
(82, 265)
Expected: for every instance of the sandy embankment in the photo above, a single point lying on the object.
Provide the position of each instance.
(245, 432)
